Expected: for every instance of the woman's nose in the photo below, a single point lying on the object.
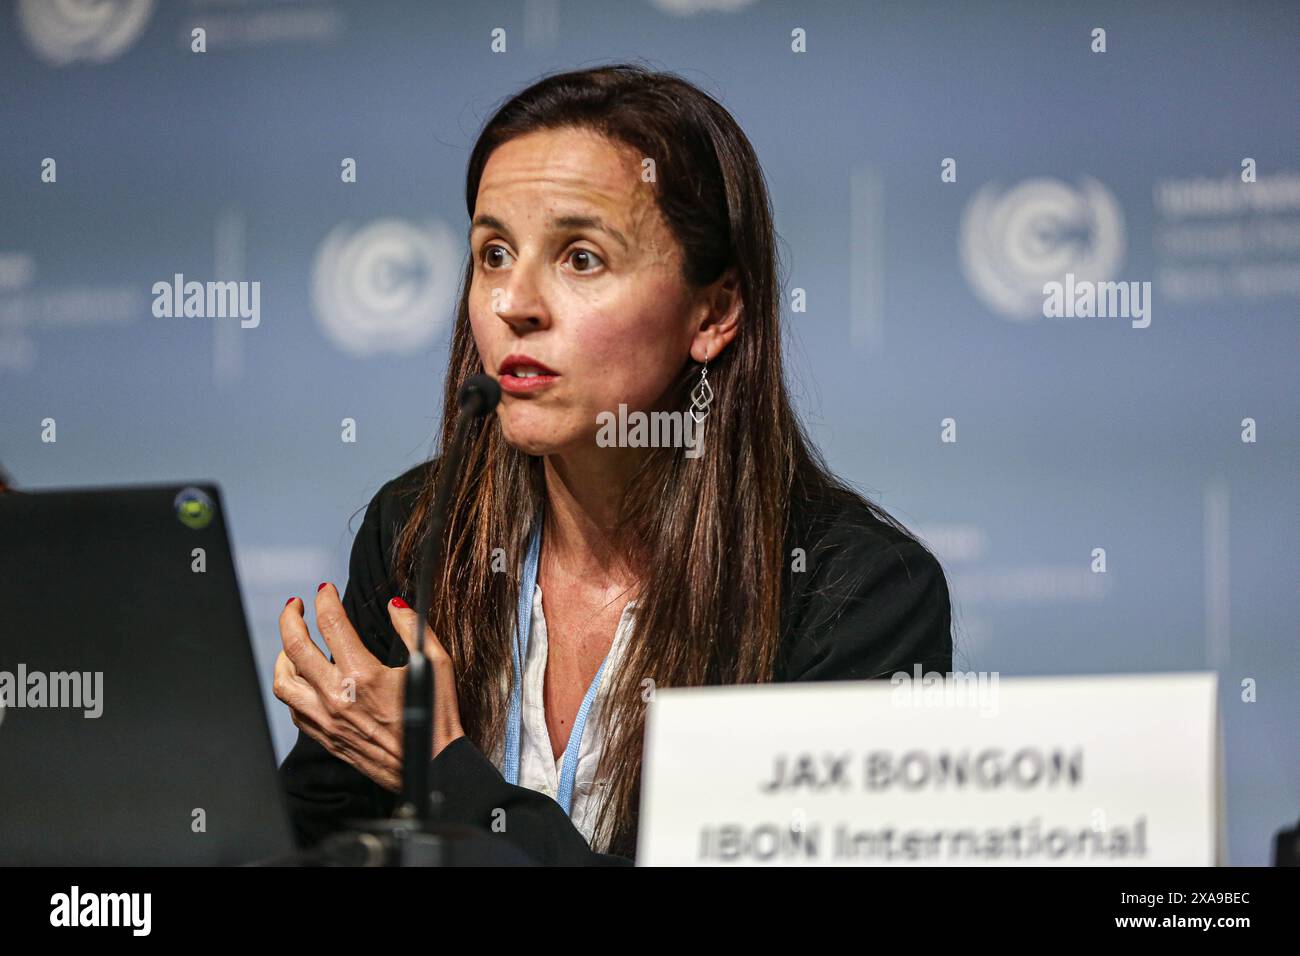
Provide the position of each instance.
(518, 300)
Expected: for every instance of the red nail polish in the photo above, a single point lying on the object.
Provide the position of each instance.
(398, 602)
(322, 587)
(290, 601)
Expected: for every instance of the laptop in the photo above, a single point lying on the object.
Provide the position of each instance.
(132, 725)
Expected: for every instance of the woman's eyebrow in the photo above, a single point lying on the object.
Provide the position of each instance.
(561, 222)
(588, 222)
(489, 222)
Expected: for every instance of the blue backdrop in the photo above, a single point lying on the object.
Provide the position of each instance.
(921, 301)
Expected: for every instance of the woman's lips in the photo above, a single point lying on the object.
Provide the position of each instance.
(523, 375)
(525, 385)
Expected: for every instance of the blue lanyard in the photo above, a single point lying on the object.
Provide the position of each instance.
(514, 721)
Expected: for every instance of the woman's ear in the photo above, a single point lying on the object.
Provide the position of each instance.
(721, 306)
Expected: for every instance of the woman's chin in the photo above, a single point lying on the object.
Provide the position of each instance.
(530, 441)
(536, 431)
(538, 443)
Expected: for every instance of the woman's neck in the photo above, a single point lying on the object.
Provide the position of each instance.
(583, 495)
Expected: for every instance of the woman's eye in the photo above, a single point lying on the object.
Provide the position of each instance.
(486, 259)
(584, 260)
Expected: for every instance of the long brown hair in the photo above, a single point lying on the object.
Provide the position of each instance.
(710, 531)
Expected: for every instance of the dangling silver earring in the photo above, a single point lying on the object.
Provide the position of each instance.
(702, 394)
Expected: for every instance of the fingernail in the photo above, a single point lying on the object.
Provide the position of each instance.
(290, 601)
(398, 602)
(322, 587)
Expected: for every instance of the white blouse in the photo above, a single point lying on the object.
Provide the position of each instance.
(537, 769)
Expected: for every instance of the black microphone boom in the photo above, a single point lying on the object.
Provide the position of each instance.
(478, 396)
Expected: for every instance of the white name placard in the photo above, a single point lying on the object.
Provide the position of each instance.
(1077, 771)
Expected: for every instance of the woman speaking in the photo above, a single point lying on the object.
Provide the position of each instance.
(622, 262)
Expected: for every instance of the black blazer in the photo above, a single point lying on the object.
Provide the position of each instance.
(871, 601)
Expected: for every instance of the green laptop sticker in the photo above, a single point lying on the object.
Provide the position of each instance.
(194, 508)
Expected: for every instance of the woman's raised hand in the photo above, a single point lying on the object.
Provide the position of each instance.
(353, 706)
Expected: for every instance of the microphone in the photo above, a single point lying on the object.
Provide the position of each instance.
(478, 396)
(410, 837)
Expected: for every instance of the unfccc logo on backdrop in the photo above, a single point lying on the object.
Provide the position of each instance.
(1015, 241)
(385, 287)
(65, 31)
